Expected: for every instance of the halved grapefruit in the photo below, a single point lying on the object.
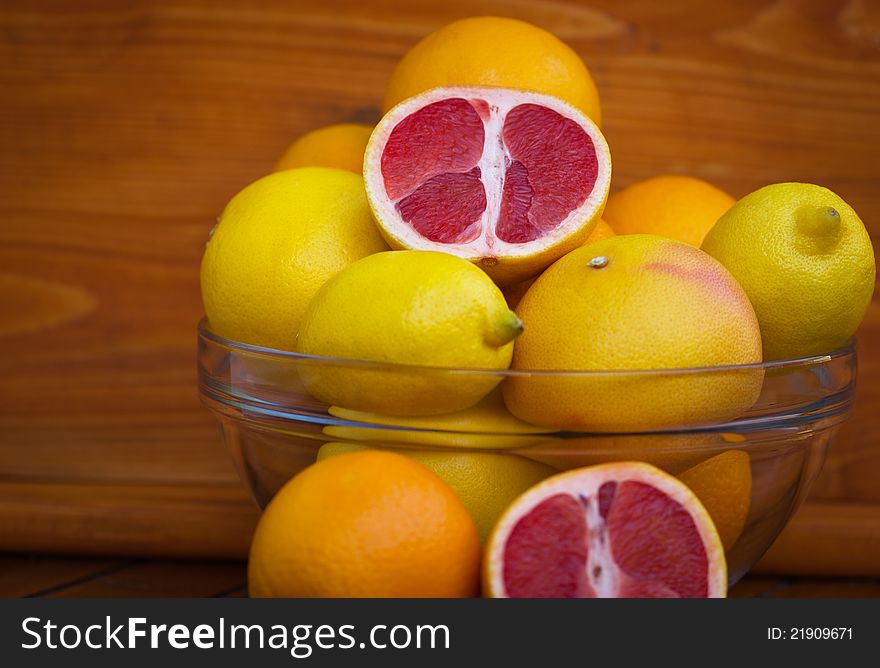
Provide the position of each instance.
(508, 179)
(621, 530)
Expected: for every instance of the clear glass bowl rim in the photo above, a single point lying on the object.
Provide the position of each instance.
(284, 356)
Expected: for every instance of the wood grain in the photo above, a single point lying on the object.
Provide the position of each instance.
(161, 579)
(127, 124)
(756, 586)
(828, 538)
(66, 578)
(39, 576)
(127, 520)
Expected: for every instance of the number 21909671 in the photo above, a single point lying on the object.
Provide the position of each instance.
(810, 633)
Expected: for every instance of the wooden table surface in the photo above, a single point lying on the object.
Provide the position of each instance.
(127, 124)
(54, 577)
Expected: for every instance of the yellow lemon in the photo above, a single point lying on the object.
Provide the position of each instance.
(805, 259)
(418, 310)
(679, 207)
(275, 244)
(626, 305)
(341, 146)
(485, 482)
(495, 51)
(487, 425)
(366, 524)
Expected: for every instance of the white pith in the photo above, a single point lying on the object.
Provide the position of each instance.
(603, 573)
(586, 483)
(492, 164)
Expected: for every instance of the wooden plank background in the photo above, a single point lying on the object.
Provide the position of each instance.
(125, 126)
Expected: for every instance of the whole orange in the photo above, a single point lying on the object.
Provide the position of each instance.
(723, 484)
(495, 51)
(602, 231)
(341, 146)
(365, 524)
(683, 208)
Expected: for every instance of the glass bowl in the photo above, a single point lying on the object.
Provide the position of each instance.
(274, 427)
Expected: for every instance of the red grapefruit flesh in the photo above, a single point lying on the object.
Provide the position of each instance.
(621, 530)
(508, 179)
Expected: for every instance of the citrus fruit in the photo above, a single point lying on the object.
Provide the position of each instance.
(415, 310)
(487, 425)
(508, 179)
(723, 484)
(495, 51)
(627, 308)
(513, 293)
(778, 476)
(275, 244)
(485, 482)
(366, 524)
(602, 231)
(623, 530)
(805, 259)
(341, 146)
(679, 207)
(671, 452)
